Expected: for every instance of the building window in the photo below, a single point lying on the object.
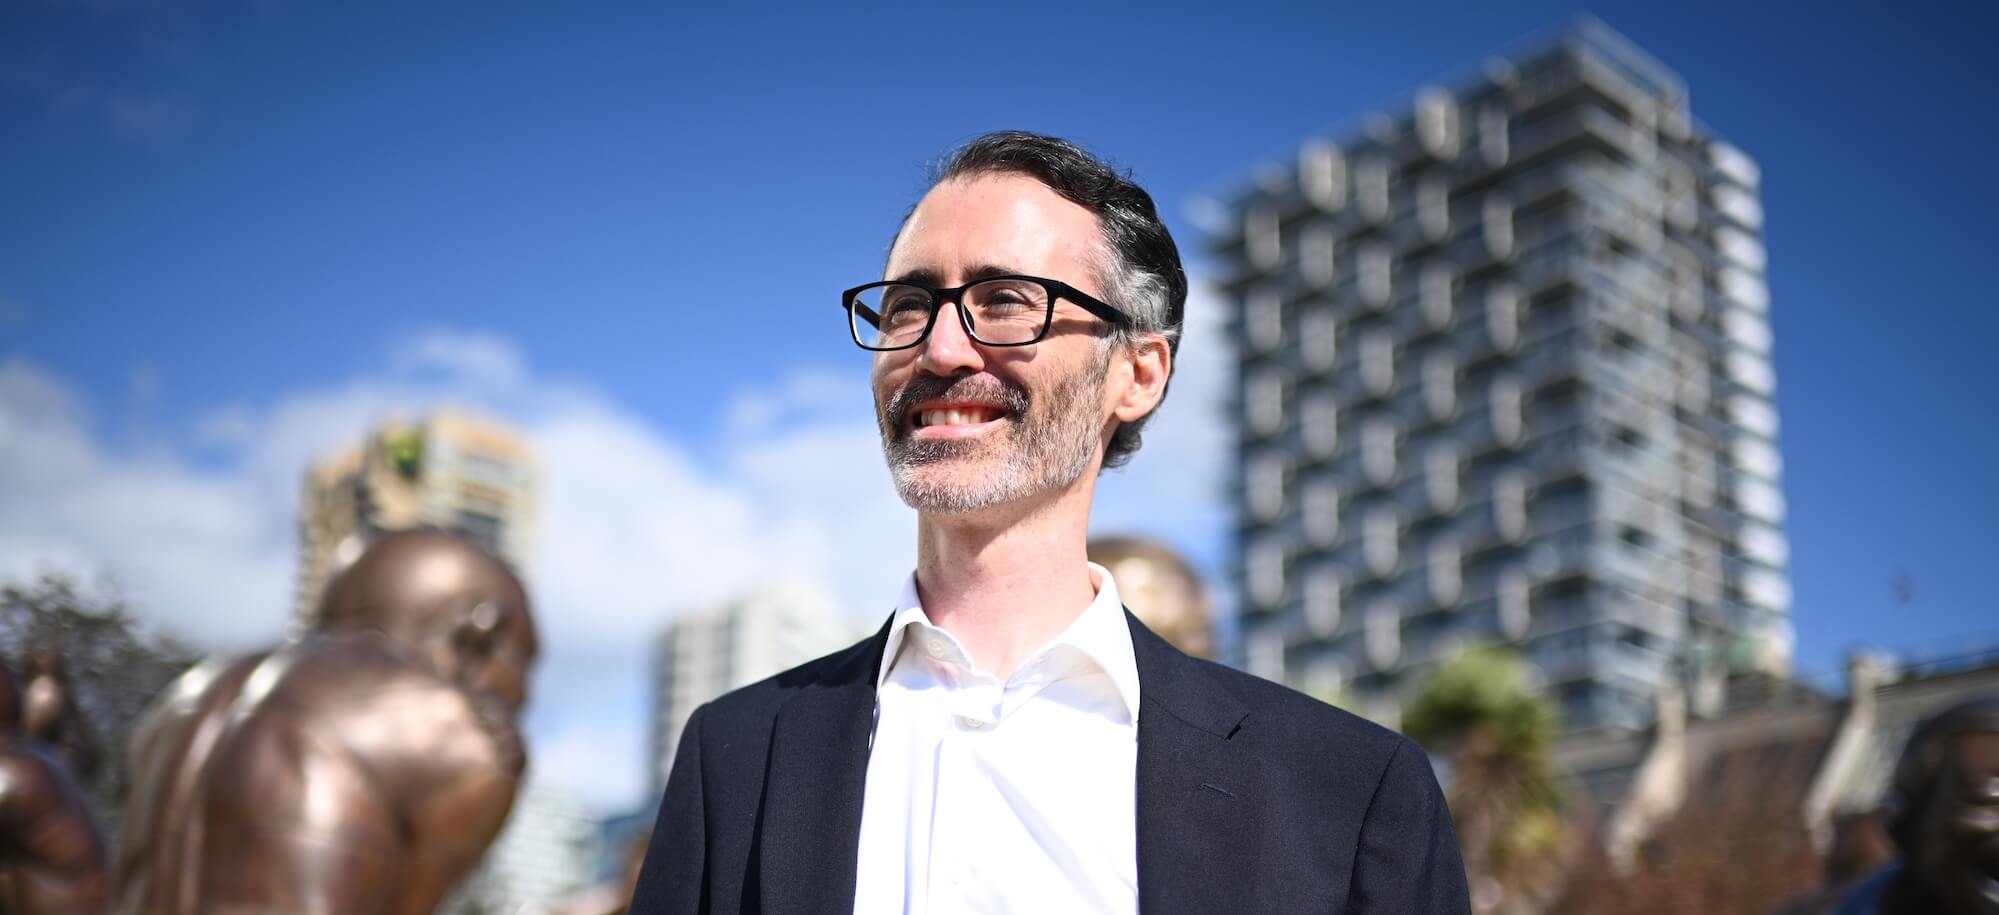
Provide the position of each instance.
(1502, 316)
(1378, 441)
(1741, 247)
(1512, 592)
(1734, 164)
(1753, 414)
(1377, 362)
(1374, 265)
(1263, 482)
(1441, 467)
(1437, 122)
(1263, 401)
(1263, 567)
(1745, 329)
(1322, 600)
(1691, 373)
(1438, 289)
(1317, 247)
(1492, 140)
(1738, 204)
(1322, 175)
(1440, 384)
(1508, 425)
(1318, 338)
(1371, 188)
(1744, 288)
(1384, 635)
(1263, 651)
(1263, 319)
(1750, 371)
(1497, 213)
(1433, 208)
(1320, 509)
(1758, 499)
(1382, 540)
(1261, 239)
(1509, 504)
(1319, 425)
(482, 530)
(1766, 589)
(1446, 572)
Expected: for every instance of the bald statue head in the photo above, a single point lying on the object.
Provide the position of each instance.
(459, 609)
(1945, 809)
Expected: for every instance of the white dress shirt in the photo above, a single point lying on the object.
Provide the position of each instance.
(1019, 797)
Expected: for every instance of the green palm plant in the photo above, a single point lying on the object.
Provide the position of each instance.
(1481, 713)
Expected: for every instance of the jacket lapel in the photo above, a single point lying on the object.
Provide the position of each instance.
(1200, 798)
(808, 829)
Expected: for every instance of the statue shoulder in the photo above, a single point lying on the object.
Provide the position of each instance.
(384, 708)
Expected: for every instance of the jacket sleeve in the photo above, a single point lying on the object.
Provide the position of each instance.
(1408, 859)
(674, 878)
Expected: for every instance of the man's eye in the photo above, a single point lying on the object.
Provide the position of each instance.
(905, 307)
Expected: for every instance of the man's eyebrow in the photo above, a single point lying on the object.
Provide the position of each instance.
(925, 277)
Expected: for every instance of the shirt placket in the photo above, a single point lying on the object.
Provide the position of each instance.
(970, 713)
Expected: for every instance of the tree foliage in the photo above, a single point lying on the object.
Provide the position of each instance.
(1481, 712)
(114, 668)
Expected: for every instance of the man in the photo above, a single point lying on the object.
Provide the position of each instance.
(361, 769)
(1943, 815)
(1012, 740)
(52, 859)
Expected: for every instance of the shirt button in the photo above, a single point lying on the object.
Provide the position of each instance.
(937, 647)
(972, 723)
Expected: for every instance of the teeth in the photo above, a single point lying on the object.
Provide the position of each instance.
(952, 417)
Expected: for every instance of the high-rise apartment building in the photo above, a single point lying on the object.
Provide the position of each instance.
(1505, 377)
(702, 655)
(447, 471)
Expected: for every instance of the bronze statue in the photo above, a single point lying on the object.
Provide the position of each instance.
(52, 857)
(49, 713)
(1161, 589)
(361, 769)
(1943, 814)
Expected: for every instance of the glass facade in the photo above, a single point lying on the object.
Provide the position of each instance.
(1538, 304)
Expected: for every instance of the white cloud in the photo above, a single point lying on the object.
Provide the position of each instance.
(632, 526)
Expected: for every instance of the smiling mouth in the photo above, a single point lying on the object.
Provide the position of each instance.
(962, 415)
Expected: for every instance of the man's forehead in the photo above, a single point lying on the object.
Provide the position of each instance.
(978, 223)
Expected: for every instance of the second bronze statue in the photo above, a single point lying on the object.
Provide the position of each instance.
(363, 767)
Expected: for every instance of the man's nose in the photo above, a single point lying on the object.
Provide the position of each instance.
(949, 350)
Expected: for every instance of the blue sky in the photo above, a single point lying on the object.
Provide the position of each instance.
(225, 222)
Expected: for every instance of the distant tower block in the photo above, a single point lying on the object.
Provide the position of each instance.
(1161, 588)
(1503, 360)
(448, 471)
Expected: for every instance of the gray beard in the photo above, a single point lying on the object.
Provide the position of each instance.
(1048, 442)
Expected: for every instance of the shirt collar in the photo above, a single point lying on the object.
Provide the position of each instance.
(1100, 633)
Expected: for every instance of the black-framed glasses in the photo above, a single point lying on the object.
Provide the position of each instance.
(996, 311)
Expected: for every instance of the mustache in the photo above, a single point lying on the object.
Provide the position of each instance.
(981, 389)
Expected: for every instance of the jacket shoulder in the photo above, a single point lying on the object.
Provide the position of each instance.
(759, 701)
(1282, 715)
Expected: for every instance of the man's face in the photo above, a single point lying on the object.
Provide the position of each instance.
(1960, 857)
(965, 426)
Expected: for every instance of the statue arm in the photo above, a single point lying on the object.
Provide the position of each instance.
(453, 791)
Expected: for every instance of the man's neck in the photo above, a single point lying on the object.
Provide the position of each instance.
(1006, 581)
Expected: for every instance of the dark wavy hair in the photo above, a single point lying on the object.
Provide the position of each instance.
(1141, 273)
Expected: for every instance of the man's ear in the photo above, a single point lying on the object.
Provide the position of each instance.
(1149, 362)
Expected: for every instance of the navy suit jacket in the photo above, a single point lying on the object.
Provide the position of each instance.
(1251, 798)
